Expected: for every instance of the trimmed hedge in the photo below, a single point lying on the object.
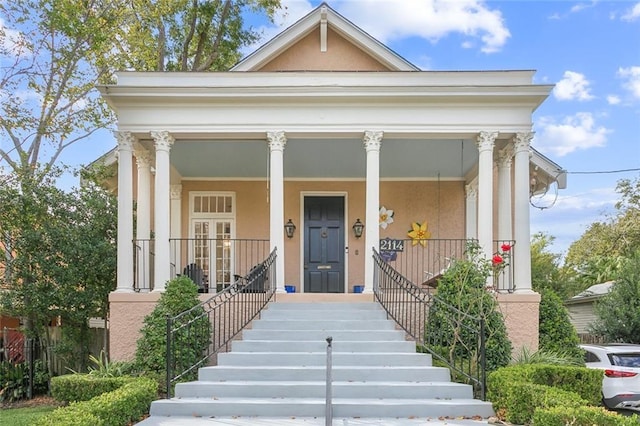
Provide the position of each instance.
(586, 382)
(517, 391)
(83, 387)
(521, 400)
(581, 416)
(116, 408)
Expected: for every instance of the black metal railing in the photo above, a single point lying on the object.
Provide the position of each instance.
(226, 314)
(504, 282)
(423, 261)
(212, 263)
(143, 257)
(452, 337)
(215, 263)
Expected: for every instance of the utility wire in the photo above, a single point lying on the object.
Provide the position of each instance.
(603, 171)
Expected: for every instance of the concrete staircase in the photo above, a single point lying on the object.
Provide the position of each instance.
(278, 370)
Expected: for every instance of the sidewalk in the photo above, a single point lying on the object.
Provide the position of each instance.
(265, 421)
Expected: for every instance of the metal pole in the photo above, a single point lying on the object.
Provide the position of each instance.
(328, 408)
(168, 356)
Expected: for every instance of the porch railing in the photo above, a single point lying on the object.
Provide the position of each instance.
(212, 263)
(413, 308)
(226, 314)
(423, 262)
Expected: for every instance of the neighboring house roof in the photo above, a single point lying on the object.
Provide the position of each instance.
(592, 293)
(327, 19)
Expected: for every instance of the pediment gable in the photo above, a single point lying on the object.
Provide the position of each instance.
(324, 40)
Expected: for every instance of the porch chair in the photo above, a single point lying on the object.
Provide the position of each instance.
(196, 274)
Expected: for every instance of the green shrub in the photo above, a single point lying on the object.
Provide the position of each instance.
(581, 416)
(523, 398)
(517, 391)
(585, 382)
(14, 380)
(82, 387)
(116, 408)
(463, 286)
(556, 333)
(190, 342)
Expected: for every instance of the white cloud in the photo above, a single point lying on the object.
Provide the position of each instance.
(577, 132)
(613, 99)
(573, 86)
(632, 14)
(631, 77)
(581, 6)
(428, 19)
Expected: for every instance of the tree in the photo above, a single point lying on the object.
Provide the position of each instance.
(601, 251)
(618, 312)
(190, 35)
(60, 255)
(54, 53)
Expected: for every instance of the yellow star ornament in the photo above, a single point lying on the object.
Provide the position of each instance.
(419, 233)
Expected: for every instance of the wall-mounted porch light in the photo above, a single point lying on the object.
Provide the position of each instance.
(358, 227)
(289, 228)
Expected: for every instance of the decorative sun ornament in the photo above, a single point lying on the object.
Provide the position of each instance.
(419, 233)
(386, 217)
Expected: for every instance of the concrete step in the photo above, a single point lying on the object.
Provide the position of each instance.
(315, 407)
(321, 335)
(326, 324)
(317, 389)
(320, 359)
(396, 346)
(314, 373)
(314, 306)
(335, 314)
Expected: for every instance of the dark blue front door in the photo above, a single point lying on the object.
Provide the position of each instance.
(324, 244)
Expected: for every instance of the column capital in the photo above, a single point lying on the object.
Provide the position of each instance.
(277, 140)
(163, 140)
(143, 156)
(176, 192)
(471, 189)
(372, 140)
(486, 140)
(125, 140)
(522, 141)
(505, 156)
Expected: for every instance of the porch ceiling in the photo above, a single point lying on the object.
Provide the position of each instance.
(324, 158)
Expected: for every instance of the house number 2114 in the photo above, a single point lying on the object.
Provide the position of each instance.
(391, 245)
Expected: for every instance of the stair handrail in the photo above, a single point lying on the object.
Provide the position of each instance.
(227, 312)
(410, 307)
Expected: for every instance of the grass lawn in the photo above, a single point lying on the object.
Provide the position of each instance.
(23, 416)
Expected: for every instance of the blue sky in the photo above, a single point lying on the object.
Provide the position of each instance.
(589, 50)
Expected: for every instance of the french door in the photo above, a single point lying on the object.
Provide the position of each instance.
(212, 251)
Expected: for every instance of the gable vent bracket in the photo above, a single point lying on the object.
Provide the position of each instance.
(323, 29)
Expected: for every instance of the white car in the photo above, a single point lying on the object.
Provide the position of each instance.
(621, 365)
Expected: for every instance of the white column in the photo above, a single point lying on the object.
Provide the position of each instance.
(125, 212)
(486, 141)
(471, 191)
(143, 215)
(505, 227)
(372, 142)
(522, 234)
(277, 142)
(162, 259)
(176, 229)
